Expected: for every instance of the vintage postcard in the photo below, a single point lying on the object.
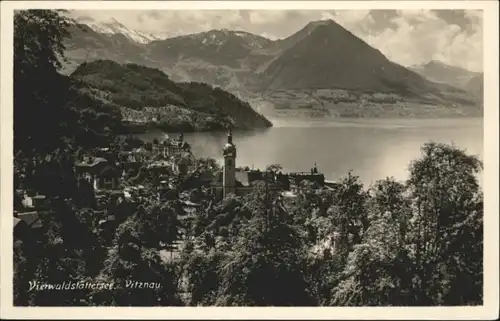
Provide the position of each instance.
(249, 159)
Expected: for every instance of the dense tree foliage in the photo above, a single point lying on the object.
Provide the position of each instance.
(39, 113)
(394, 243)
(47, 106)
(129, 260)
(149, 94)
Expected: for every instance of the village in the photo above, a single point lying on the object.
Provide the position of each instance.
(153, 171)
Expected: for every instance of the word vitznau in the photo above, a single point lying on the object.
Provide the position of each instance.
(141, 285)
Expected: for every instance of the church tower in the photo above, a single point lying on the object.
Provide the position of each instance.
(229, 177)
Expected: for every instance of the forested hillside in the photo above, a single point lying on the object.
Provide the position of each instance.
(147, 95)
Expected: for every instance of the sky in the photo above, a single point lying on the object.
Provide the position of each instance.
(407, 37)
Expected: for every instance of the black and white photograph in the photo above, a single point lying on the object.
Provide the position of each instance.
(247, 156)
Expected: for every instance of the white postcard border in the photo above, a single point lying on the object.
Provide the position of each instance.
(491, 220)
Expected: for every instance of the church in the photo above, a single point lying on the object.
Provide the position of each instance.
(237, 181)
(232, 180)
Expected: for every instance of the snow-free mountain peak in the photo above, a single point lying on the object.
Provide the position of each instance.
(439, 71)
(221, 37)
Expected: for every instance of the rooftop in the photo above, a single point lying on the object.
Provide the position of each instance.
(110, 172)
(30, 218)
(305, 174)
(139, 150)
(16, 221)
(243, 178)
(91, 162)
(161, 163)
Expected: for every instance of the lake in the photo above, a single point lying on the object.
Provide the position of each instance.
(372, 148)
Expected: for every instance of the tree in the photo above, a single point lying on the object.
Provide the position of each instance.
(389, 197)
(40, 92)
(348, 212)
(130, 259)
(375, 270)
(423, 245)
(201, 271)
(161, 223)
(47, 104)
(208, 164)
(50, 259)
(264, 269)
(446, 226)
(224, 214)
(56, 166)
(274, 168)
(89, 243)
(265, 265)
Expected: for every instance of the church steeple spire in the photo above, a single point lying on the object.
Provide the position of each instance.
(230, 136)
(229, 177)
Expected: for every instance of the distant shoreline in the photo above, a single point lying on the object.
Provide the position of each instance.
(308, 122)
(381, 123)
(276, 120)
(130, 128)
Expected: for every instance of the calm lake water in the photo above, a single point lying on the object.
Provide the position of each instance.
(373, 149)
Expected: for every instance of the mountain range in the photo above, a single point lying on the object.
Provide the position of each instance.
(440, 72)
(475, 86)
(321, 70)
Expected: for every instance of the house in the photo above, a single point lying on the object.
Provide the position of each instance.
(161, 167)
(296, 178)
(106, 226)
(127, 157)
(245, 182)
(98, 172)
(87, 168)
(27, 226)
(206, 177)
(179, 145)
(21, 229)
(129, 162)
(32, 200)
(332, 185)
(18, 199)
(102, 152)
(140, 154)
(32, 219)
(109, 178)
(40, 202)
(170, 146)
(183, 162)
(26, 200)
